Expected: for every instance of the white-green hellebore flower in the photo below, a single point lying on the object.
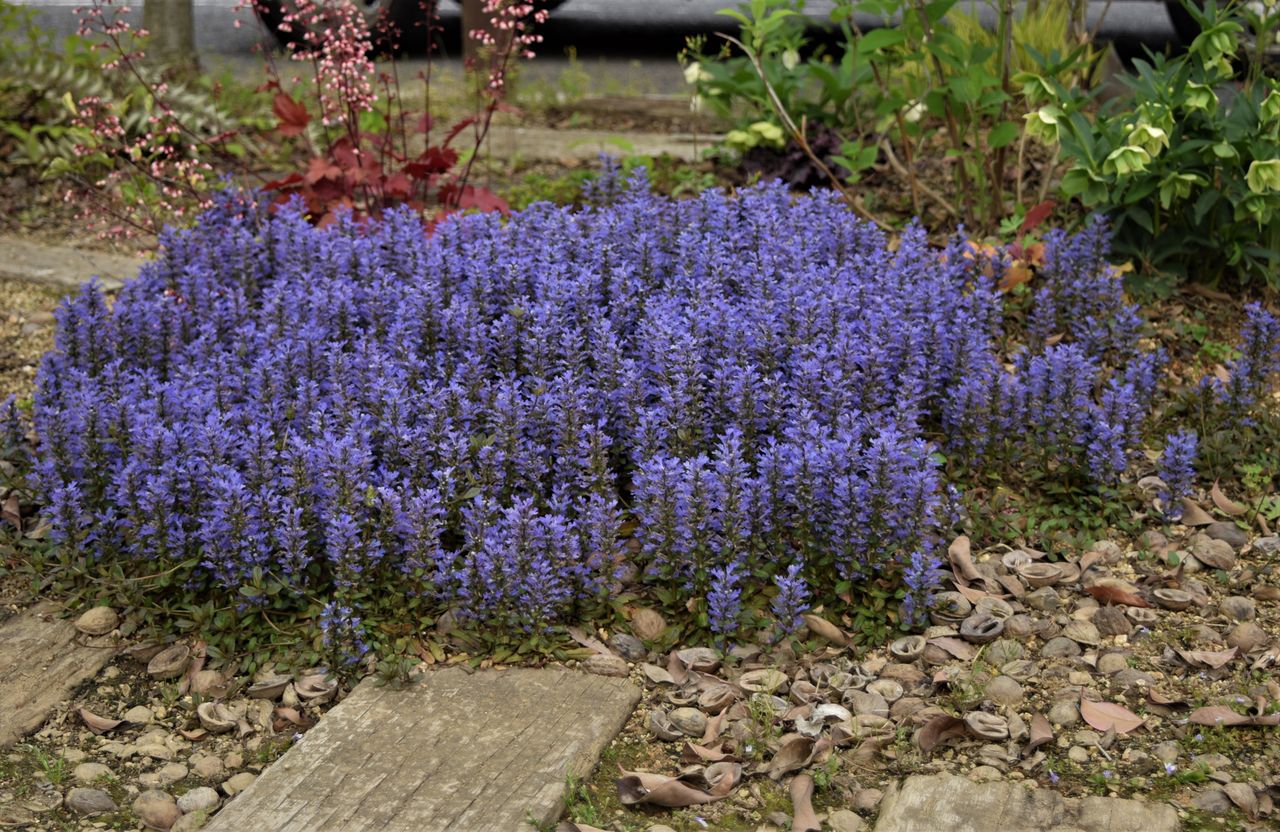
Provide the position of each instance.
(1263, 177)
(768, 132)
(741, 139)
(694, 73)
(790, 59)
(1156, 115)
(1126, 160)
(1225, 150)
(1271, 107)
(1044, 124)
(1177, 186)
(1150, 138)
(1200, 97)
(1254, 207)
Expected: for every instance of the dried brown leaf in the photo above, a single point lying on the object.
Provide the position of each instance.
(1208, 658)
(1242, 795)
(98, 724)
(1225, 504)
(1107, 715)
(793, 754)
(868, 751)
(958, 553)
(959, 648)
(1041, 732)
(1193, 515)
(938, 730)
(703, 754)
(823, 628)
(803, 818)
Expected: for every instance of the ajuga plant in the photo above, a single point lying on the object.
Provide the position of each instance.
(742, 406)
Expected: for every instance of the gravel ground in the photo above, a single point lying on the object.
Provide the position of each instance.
(26, 332)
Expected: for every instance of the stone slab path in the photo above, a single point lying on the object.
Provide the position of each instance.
(63, 266)
(43, 659)
(554, 145)
(454, 751)
(956, 804)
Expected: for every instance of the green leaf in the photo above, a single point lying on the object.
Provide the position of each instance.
(1003, 134)
(878, 39)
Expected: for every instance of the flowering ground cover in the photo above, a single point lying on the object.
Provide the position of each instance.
(750, 405)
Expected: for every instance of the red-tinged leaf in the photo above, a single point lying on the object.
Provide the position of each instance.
(397, 186)
(1109, 594)
(458, 128)
(1107, 715)
(286, 183)
(938, 730)
(1035, 216)
(1034, 254)
(482, 199)
(319, 169)
(433, 161)
(268, 86)
(1225, 504)
(424, 123)
(293, 115)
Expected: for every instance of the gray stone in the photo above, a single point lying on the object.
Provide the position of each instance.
(1227, 532)
(85, 802)
(41, 663)
(1111, 621)
(199, 799)
(156, 810)
(1044, 599)
(166, 775)
(1110, 663)
(1267, 545)
(88, 772)
(1078, 754)
(956, 804)
(1060, 647)
(489, 750)
(207, 766)
(1238, 608)
(139, 715)
(1214, 554)
(1132, 677)
(1213, 801)
(867, 799)
(629, 647)
(1004, 691)
(1066, 712)
(842, 820)
(1167, 751)
(1248, 636)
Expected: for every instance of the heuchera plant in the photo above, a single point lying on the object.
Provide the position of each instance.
(368, 153)
(721, 397)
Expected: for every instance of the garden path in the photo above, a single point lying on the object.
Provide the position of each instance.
(453, 751)
(63, 266)
(43, 659)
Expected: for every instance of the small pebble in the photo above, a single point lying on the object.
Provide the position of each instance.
(843, 820)
(1060, 648)
(1228, 533)
(1066, 712)
(1110, 663)
(1077, 754)
(1247, 636)
(1004, 691)
(88, 772)
(1238, 608)
(1167, 751)
(238, 783)
(156, 810)
(199, 799)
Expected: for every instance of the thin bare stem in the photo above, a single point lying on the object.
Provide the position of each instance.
(797, 135)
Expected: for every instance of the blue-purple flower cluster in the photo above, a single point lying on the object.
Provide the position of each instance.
(500, 416)
(1177, 469)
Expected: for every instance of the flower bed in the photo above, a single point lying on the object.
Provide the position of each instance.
(728, 397)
